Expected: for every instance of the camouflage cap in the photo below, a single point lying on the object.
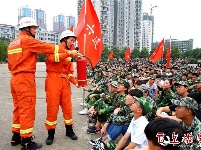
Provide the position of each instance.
(136, 75)
(114, 84)
(146, 104)
(184, 83)
(125, 83)
(198, 80)
(128, 73)
(144, 88)
(187, 102)
(152, 77)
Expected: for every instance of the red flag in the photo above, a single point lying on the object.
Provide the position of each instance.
(88, 33)
(72, 29)
(158, 53)
(127, 55)
(168, 55)
(111, 55)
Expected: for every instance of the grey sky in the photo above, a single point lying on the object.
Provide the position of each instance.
(176, 18)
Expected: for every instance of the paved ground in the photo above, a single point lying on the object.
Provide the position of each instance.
(61, 141)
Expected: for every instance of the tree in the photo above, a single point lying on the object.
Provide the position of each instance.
(175, 53)
(105, 53)
(41, 57)
(122, 52)
(152, 50)
(7, 40)
(195, 52)
(187, 53)
(198, 55)
(3, 50)
(116, 51)
(135, 53)
(144, 53)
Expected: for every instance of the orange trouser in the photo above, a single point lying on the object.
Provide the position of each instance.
(58, 92)
(23, 89)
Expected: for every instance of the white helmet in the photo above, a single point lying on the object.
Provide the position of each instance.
(67, 33)
(27, 22)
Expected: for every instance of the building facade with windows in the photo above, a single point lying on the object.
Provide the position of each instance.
(182, 45)
(147, 31)
(7, 31)
(38, 15)
(121, 21)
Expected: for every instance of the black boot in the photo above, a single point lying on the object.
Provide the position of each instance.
(28, 144)
(16, 139)
(70, 133)
(50, 137)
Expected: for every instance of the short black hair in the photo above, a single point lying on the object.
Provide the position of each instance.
(195, 74)
(166, 126)
(184, 74)
(135, 92)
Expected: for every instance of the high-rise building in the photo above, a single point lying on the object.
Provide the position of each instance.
(40, 17)
(147, 30)
(127, 23)
(79, 4)
(120, 21)
(37, 14)
(70, 20)
(24, 11)
(59, 23)
(105, 12)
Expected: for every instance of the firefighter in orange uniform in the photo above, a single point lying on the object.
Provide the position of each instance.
(22, 58)
(58, 90)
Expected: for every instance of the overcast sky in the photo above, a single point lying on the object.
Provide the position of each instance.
(179, 19)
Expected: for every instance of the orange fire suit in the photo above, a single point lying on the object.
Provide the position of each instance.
(22, 58)
(58, 90)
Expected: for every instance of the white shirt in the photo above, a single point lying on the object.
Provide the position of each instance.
(136, 129)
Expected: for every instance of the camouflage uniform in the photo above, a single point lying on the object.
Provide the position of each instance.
(103, 107)
(96, 92)
(194, 128)
(151, 115)
(147, 108)
(165, 98)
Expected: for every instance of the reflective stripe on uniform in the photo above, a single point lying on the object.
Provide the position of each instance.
(14, 51)
(26, 131)
(51, 123)
(68, 121)
(17, 126)
(70, 75)
(56, 53)
(69, 58)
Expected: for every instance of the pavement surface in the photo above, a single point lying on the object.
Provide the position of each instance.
(61, 142)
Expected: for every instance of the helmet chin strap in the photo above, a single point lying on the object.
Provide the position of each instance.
(29, 32)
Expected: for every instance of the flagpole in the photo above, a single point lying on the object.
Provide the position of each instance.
(85, 6)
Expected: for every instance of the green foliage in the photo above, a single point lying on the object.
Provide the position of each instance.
(41, 57)
(135, 53)
(144, 53)
(5, 40)
(152, 50)
(175, 53)
(187, 53)
(192, 60)
(192, 55)
(116, 51)
(105, 53)
(122, 52)
(3, 50)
